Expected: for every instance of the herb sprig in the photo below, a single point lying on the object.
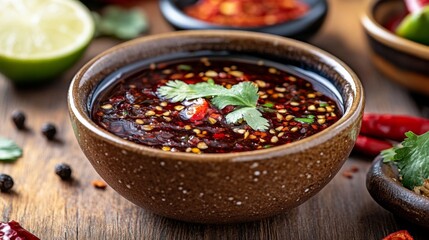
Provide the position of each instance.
(244, 96)
(9, 151)
(412, 159)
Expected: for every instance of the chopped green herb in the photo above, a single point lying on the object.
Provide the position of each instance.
(243, 95)
(309, 119)
(269, 105)
(9, 151)
(323, 104)
(121, 23)
(184, 67)
(412, 159)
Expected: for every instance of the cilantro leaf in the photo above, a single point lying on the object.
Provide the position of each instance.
(412, 159)
(243, 95)
(178, 91)
(309, 119)
(9, 151)
(121, 23)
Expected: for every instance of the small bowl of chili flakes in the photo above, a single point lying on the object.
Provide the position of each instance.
(298, 19)
(216, 126)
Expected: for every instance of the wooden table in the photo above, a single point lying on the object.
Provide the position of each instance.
(53, 209)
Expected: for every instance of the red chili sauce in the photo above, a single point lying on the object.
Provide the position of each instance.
(246, 13)
(133, 111)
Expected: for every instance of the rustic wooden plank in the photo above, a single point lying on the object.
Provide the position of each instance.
(53, 209)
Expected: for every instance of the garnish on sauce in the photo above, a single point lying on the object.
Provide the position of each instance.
(9, 151)
(244, 96)
(412, 159)
(214, 105)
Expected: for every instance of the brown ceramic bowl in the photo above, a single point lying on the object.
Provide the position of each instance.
(385, 187)
(402, 60)
(227, 187)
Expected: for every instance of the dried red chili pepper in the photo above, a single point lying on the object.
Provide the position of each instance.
(392, 127)
(370, 146)
(12, 230)
(399, 235)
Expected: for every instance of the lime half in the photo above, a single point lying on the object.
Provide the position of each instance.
(40, 39)
(415, 26)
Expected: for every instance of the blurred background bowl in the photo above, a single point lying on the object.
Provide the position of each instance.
(386, 189)
(402, 60)
(302, 28)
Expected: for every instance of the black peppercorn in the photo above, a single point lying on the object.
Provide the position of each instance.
(18, 119)
(49, 130)
(63, 170)
(6, 182)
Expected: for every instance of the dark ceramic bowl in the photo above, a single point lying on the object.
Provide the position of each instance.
(301, 28)
(224, 187)
(402, 60)
(385, 187)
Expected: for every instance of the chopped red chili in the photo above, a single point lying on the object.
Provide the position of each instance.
(133, 111)
(247, 13)
(399, 235)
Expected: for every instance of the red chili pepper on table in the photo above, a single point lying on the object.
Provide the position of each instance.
(371, 146)
(399, 235)
(392, 127)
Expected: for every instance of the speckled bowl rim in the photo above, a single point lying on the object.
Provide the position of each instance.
(381, 34)
(351, 114)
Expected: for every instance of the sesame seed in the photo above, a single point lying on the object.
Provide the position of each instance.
(260, 63)
(189, 75)
(107, 106)
(166, 114)
(251, 136)
(211, 73)
(280, 89)
(139, 121)
(202, 145)
(261, 83)
(197, 131)
(295, 104)
(241, 131)
(168, 119)
(147, 127)
(187, 127)
(329, 109)
(136, 106)
(279, 117)
(236, 73)
(272, 131)
(188, 149)
(274, 139)
(289, 117)
(294, 129)
(278, 129)
(311, 108)
(150, 113)
(227, 69)
(292, 78)
(166, 148)
(320, 116)
(282, 111)
(167, 71)
(212, 120)
(321, 109)
(196, 150)
(163, 104)
(179, 107)
(246, 134)
(281, 134)
(272, 70)
(311, 95)
(321, 121)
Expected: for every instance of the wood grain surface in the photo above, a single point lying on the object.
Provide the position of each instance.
(53, 209)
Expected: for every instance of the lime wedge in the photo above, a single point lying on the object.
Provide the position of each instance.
(415, 26)
(40, 39)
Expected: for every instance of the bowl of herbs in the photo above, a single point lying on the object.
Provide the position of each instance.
(399, 179)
